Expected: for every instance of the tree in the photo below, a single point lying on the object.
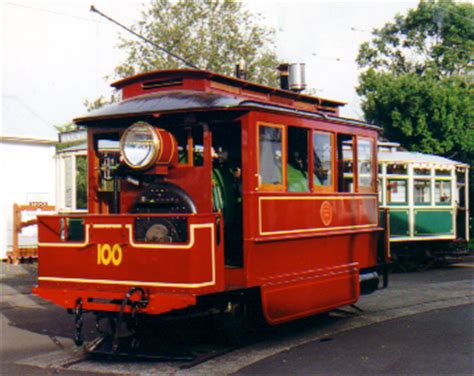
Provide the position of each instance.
(212, 34)
(418, 79)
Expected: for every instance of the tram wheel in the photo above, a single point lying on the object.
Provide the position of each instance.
(238, 324)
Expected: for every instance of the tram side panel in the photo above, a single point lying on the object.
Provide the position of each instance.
(306, 250)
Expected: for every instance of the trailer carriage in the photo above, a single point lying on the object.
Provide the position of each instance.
(428, 200)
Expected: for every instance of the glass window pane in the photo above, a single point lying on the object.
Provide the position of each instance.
(81, 182)
(422, 171)
(297, 168)
(322, 154)
(397, 169)
(379, 190)
(443, 192)
(270, 159)
(365, 163)
(460, 176)
(345, 152)
(397, 191)
(68, 188)
(442, 172)
(422, 191)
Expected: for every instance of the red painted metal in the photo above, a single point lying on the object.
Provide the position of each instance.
(304, 251)
(175, 270)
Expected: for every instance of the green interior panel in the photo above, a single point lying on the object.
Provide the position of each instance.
(297, 179)
(75, 229)
(433, 222)
(399, 223)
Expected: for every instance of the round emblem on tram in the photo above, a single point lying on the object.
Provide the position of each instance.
(326, 213)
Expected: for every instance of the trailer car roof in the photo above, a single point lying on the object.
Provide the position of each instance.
(418, 158)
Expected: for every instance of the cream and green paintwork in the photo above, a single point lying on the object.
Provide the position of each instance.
(413, 222)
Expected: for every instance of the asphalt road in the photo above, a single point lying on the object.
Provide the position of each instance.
(422, 324)
(439, 342)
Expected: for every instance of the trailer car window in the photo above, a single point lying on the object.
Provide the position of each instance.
(461, 187)
(397, 192)
(422, 171)
(443, 192)
(422, 192)
(397, 169)
(443, 172)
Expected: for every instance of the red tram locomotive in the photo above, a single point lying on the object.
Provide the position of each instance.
(211, 192)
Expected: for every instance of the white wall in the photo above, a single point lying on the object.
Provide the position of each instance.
(27, 174)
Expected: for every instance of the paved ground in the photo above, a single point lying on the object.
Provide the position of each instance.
(35, 335)
(439, 342)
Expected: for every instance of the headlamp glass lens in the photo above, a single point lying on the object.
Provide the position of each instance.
(139, 145)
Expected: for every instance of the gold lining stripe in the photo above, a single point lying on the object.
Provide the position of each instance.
(67, 244)
(132, 242)
(284, 198)
(302, 231)
(172, 141)
(434, 237)
(106, 226)
(309, 230)
(212, 282)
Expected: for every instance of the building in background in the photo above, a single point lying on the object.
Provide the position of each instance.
(27, 150)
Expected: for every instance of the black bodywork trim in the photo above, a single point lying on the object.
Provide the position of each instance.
(190, 100)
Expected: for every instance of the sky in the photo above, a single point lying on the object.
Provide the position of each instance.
(57, 54)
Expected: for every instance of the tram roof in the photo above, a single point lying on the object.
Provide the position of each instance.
(193, 100)
(416, 158)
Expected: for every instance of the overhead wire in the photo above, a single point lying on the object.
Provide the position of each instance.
(56, 13)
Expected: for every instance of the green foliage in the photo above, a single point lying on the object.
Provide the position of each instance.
(212, 34)
(418, 84)
(99, 102)
(422, 112)
(67, 127)
(437, 36)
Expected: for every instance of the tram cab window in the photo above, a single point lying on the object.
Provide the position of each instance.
(190, 145)
(271, 168)
(345, 152)
(422, 192)
(323, 160)
(442, 192)
(365, 165)
(297, 167)
(108, 153)
(397, 192)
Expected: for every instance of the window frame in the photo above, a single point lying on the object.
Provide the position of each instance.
(332, 186)
(388, 196)
(310, 169)
(266, 186)
(448, 182)
(340, 163)
(431, 187)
